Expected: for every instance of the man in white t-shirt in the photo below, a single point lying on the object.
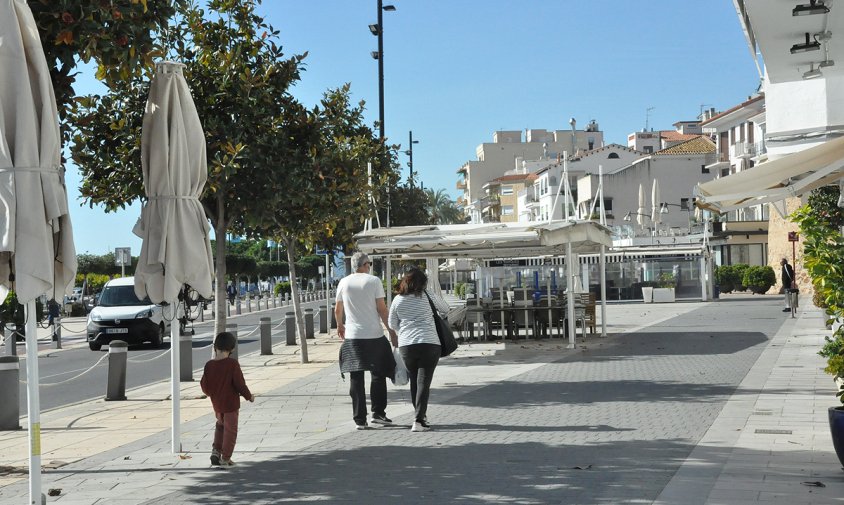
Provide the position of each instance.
(360, 298)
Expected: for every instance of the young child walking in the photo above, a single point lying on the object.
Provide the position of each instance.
(222, 380)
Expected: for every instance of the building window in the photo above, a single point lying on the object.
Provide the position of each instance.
(506, 210)
(648, 149)
(703, 169)
(608, 204)
(506, 190)
(684, 203)
(612, 156)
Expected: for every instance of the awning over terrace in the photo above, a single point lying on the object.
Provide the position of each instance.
(775, 180)
(489, 240)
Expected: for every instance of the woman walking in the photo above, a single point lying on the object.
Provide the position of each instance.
(412, 318)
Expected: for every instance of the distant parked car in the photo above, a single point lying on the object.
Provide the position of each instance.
(118, 314)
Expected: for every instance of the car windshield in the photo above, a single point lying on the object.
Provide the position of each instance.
(121, 296)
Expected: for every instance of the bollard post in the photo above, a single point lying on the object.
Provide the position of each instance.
(323, 319)
(11, 340)
(237, 310)
(275, 306)
(290, 328)
(232, 328)
(186, 358)
(9, 393)
(201, 312)
(116, 390)
(248, 304)
(57, 331)
(333, 318)
(266, 338)
(309, 323)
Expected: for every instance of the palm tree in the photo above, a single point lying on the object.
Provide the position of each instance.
(442, 209)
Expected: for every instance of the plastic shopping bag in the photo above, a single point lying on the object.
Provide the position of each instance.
(401, 378)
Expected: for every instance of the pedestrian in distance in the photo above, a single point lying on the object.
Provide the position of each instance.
(231, 292)
(412, 317)
(223, 382)
(788, 283)
(359, 310)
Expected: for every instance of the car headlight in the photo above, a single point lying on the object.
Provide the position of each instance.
(144, 315)
(95, 317)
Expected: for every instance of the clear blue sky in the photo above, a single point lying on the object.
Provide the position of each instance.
(456, 71)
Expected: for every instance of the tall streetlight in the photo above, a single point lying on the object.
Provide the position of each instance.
(409, 152)
(378, 30)
(663, 209)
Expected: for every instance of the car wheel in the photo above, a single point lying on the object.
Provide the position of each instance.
(158, 340)
(94, 347)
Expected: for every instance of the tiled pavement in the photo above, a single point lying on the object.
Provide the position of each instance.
(685, 403)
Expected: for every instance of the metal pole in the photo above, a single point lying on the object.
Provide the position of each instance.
(603, 261)
(33, 405)
(327, 293)
(570, 291)
(175, 382)
(381, 73)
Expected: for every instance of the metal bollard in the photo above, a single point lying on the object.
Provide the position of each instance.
(237, 310)
(186, 358)
(266, 338)
(232, 328)
(9, 393)
(275, 299)
(309, 323)
(116, 390)
(323, 319)
(333, 318)
(202, 312)
(286, 298)
(290, 328)
(11, 340)
(248, 304)
(57, 331)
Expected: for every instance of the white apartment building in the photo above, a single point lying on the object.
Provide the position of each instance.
(507, 152)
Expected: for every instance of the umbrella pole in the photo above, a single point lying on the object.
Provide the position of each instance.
(570, 291)
(33, 405)
(603, 260)
(175, 377)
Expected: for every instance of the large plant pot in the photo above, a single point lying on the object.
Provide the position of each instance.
(836, 429)
(663, 295)
(647, 294)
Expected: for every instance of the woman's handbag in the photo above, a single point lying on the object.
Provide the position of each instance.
(401, 378)
(448, 344)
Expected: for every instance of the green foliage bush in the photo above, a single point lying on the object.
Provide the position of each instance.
(730, 277)
(460, 290)
(759, 279)
(281, 288)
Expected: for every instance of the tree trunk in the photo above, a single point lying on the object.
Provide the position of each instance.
(294, 293)
(220, 295)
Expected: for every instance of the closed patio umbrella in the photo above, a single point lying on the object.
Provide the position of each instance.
(655, 217)
(640, 218)
(37, 254)
(176, 250)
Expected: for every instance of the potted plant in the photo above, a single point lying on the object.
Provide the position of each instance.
(759, 279)
(823, 255)
(819, 300)
(664, 292)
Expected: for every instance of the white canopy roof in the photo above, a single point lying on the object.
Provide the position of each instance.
(775, 180)
(489, 240)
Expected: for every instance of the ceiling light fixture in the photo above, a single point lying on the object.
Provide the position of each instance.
(806, 46)
(813, 72)
(826, 63)
(813, 7)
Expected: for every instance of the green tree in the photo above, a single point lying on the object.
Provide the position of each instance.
(409, 206)
(441, 209)
(119, 35)
(239, 78)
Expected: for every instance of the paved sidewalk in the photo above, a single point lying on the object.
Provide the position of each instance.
(683, 403)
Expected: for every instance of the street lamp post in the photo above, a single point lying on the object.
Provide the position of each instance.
(378, 31)
(663, 209)
(409, 152)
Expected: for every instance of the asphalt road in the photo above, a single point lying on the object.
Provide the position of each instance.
(59, 371)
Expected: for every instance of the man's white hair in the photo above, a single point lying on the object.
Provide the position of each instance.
(358, 259)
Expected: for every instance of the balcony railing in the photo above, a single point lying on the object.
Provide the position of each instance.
(716, 159)
(461, 185)
(760, 148)
(743, 149)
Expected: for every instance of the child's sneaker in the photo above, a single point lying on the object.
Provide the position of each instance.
(215, 457)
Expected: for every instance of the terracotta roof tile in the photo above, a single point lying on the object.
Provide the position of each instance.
(698, 145)
(674, 135)
(515, 177)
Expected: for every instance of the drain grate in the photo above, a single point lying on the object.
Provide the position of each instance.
(773, 432)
